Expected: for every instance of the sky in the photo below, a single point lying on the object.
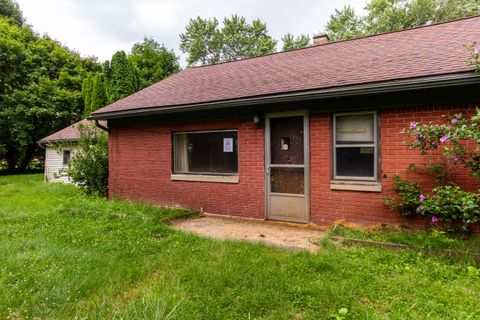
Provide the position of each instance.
(101, 27)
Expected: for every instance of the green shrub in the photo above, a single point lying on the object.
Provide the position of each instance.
(89, 167)
(446, 203)
(408, 197)
(452, 204)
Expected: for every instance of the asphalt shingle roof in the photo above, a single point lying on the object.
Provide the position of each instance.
(70, 133)
(420, 52)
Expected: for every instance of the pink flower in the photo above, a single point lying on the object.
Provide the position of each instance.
(443, 139)
(434, 219)
(475, 52)
(454, 120)
(420, 208)
(455, 158)
(422, 197)
(413, 125)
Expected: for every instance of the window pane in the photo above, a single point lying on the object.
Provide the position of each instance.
(287, 180)
(355, 162)
(286, 140)
(208, 152)
(66, 157)
(355, 129)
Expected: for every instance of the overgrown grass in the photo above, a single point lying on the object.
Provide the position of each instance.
(63, 255)
(434, 239)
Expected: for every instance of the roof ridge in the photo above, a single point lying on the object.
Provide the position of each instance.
(336, 42)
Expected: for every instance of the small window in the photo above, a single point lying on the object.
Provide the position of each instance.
(213, 152)
(355, 146)
(66, 157)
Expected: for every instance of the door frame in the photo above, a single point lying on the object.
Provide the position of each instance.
(306, 157)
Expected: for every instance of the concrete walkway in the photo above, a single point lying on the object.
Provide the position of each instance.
(286, 235)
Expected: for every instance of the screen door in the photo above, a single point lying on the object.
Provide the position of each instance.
(287, 167)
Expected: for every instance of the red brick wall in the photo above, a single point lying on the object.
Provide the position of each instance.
(141, 162)
(368, 208)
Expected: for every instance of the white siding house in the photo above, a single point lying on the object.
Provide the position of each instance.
(57, 157)
(56, 163)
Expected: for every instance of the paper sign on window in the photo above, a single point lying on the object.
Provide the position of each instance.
(227, 144)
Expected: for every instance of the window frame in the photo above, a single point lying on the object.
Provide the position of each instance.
(220, 174)
(64, 151)
(375, 146)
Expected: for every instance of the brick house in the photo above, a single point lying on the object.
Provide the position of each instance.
(308, 135)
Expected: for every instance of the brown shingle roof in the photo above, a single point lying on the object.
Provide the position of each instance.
(70, 133)
(419, 52)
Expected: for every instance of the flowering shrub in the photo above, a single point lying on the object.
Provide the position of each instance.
(448, 203)
(451, 204)
(450, 138)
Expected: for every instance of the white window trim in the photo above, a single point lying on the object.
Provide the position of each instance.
(374, 145)
(204, 176)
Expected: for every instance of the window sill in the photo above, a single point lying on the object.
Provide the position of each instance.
(204, 178)
(356, 186)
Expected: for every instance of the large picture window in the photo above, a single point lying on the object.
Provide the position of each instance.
(212, 152)
(355, 146)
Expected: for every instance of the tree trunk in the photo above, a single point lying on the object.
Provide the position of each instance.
(11, 161)
(27, 157)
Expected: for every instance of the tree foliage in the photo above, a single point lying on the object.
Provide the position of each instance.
(344, 24)
(391, 15)
(89, 168)
(10, 10)
(291, 42)
(153, 61)
(87, 90)
(99, 93)
(124, 77)
(40, 90)
(206, 42)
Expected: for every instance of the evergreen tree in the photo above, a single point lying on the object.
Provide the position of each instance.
(124, 79)
(87, 91)
(99, 93)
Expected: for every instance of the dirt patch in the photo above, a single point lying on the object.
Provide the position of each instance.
(291, 236)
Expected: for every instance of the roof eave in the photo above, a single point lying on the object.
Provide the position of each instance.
(457, 79)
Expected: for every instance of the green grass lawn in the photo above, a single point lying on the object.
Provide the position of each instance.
(65, 255)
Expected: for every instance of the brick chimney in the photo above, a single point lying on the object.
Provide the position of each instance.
(320, 39)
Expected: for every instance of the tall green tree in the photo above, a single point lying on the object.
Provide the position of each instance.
(291, 42)
(87, 92)
(153, 61)
(99, 92)
(205, 42)
(40, 90)
(124, 78)
(10, 10)
(391, 15)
